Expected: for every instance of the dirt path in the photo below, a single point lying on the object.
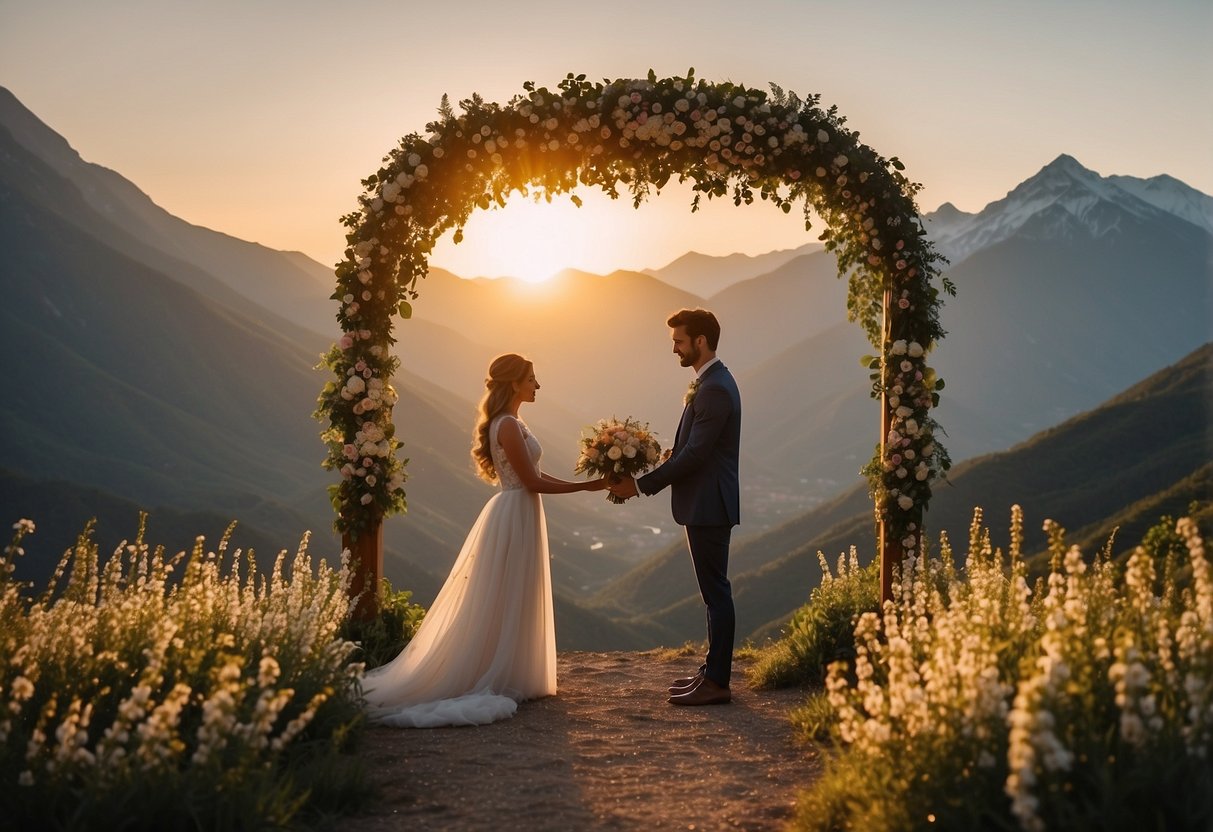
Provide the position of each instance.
(606, 753)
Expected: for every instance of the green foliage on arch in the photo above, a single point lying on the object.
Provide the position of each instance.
(635, 135)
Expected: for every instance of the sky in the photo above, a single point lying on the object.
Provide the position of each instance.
(259, 118)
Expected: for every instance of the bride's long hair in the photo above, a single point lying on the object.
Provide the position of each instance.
(499, 392)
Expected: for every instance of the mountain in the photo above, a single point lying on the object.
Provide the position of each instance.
(1052, 316)
(767, 314)
(706, 275)
(289, 283)
(1169, 194)
(1065, 200)
(1149, 446)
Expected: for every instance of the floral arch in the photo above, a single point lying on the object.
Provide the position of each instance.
(729, 141)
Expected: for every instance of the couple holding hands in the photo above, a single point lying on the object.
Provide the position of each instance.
(488, 640)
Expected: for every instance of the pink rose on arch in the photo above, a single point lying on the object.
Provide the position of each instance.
(346, 342)
(350, 452)
(903, 304)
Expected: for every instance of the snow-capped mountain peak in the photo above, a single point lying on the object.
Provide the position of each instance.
(1169, 194)
(1064, 199)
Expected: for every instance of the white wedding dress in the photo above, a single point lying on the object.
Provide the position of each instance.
(488, 641)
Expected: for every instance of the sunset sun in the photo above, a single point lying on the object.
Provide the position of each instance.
(529, 240)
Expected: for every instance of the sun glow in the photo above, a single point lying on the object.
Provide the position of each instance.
(534, 241)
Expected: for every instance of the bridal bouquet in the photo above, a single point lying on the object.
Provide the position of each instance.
(611, 446)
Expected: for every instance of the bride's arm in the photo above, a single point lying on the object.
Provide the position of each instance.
(514, 445)
(592, 485)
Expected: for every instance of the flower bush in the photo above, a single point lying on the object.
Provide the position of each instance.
(728, 140)
(131, 696)
(977, 702)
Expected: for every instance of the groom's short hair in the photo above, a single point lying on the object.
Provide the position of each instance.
(697, 322)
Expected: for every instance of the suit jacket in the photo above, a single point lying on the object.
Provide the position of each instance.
(702, 470)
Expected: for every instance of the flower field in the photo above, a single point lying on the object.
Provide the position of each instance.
(978, 701)
(174, 693)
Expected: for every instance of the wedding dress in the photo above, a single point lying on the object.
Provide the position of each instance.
(488, 641)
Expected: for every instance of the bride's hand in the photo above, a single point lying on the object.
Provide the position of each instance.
(599, 484)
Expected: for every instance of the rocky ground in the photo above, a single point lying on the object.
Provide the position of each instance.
(606, 753)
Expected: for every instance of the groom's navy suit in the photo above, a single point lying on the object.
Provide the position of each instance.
(705, 497)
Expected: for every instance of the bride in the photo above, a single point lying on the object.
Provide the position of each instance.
(488, 641)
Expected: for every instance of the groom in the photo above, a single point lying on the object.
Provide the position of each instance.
(701, 471)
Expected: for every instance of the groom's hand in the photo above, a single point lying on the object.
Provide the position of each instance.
(624, 488)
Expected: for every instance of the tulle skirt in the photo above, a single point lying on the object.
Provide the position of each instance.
(488, 641)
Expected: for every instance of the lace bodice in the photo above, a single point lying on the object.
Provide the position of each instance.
(506, 474)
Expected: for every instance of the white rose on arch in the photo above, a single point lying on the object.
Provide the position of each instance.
(899, 348)
(905, 502)
(914, 349)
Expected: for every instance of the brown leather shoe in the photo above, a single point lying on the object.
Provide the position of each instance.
(684, 685)
(706, 692)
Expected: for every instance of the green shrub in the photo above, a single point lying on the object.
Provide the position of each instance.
(822, 631)
(383, 637)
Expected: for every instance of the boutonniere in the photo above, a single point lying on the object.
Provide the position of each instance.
(691, 391)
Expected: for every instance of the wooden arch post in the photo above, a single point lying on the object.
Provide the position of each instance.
(366, 563)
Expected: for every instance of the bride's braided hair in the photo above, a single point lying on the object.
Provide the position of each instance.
(499, 391)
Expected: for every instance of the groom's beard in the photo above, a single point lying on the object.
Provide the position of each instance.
(690, 358)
